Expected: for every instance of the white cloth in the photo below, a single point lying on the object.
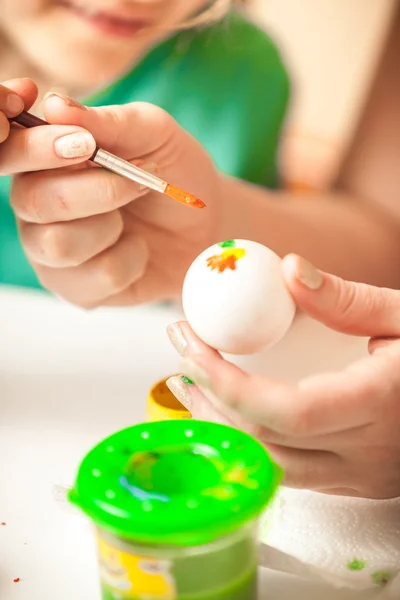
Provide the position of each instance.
(350, 542)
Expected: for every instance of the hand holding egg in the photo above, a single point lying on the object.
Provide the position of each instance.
(235, 298)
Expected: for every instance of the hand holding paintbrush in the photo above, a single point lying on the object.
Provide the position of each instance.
(121, 167)
(95, 237)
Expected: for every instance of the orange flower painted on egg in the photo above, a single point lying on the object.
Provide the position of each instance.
(227, 259)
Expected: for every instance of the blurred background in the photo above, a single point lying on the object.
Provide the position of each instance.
(332, 48)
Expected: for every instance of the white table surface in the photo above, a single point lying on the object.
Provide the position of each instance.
(67, 379)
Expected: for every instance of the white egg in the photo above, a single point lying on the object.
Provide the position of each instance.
(235, 298)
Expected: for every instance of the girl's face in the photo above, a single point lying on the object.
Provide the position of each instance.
(86, 43)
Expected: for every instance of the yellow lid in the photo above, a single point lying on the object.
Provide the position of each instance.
(163, 406)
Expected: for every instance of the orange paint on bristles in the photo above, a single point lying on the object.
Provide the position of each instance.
(183, 197)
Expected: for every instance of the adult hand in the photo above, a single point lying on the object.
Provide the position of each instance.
(94, 237)
(336, 433)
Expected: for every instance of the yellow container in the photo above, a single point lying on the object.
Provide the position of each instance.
(163, 406)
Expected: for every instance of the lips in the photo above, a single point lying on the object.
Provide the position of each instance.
(109, 22)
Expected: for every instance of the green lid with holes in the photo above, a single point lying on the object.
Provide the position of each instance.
(175, 482)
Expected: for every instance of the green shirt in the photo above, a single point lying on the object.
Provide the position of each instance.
(225, 84)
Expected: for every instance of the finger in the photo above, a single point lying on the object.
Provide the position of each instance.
(201, 407)
(154, 286)
(70, 244)
(255, 399)
(12, 102)
(186, 342)
(45, 147)
(135, 130)
(4, 127)
(319, 405)
(104, 275)
(143, 291)
(65, 195)
(204, 405)
(352, 308)
(27, 91)
(385, 345)
(307, 469)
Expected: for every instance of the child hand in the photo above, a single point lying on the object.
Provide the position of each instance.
(94, 237)
(15, 95)
(336, 433)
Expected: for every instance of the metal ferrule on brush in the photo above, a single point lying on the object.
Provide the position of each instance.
(126, 169)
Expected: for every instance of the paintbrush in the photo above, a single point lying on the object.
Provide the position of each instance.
(122, 167)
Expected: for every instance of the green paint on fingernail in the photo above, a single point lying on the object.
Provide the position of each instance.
(187, 380)
(356, 564)
(227, 244)
(381, 577)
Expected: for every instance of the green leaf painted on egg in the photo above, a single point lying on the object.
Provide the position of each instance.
(227, 244)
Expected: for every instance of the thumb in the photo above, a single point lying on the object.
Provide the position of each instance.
(348, 307)
(25, 88)
(131, 130)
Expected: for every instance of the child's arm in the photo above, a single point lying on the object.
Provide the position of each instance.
(339, 231)
(354, 231)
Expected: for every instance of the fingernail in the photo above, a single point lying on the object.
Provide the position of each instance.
(196, 373)
(66, 99)
(75, 145)
(14, 105)
(308, 275)
(177, 338)
(181, 386)
(149, 168)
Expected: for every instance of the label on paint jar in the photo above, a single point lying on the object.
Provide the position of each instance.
(126, 576)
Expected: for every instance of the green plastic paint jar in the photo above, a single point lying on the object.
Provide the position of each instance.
(175, 506)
